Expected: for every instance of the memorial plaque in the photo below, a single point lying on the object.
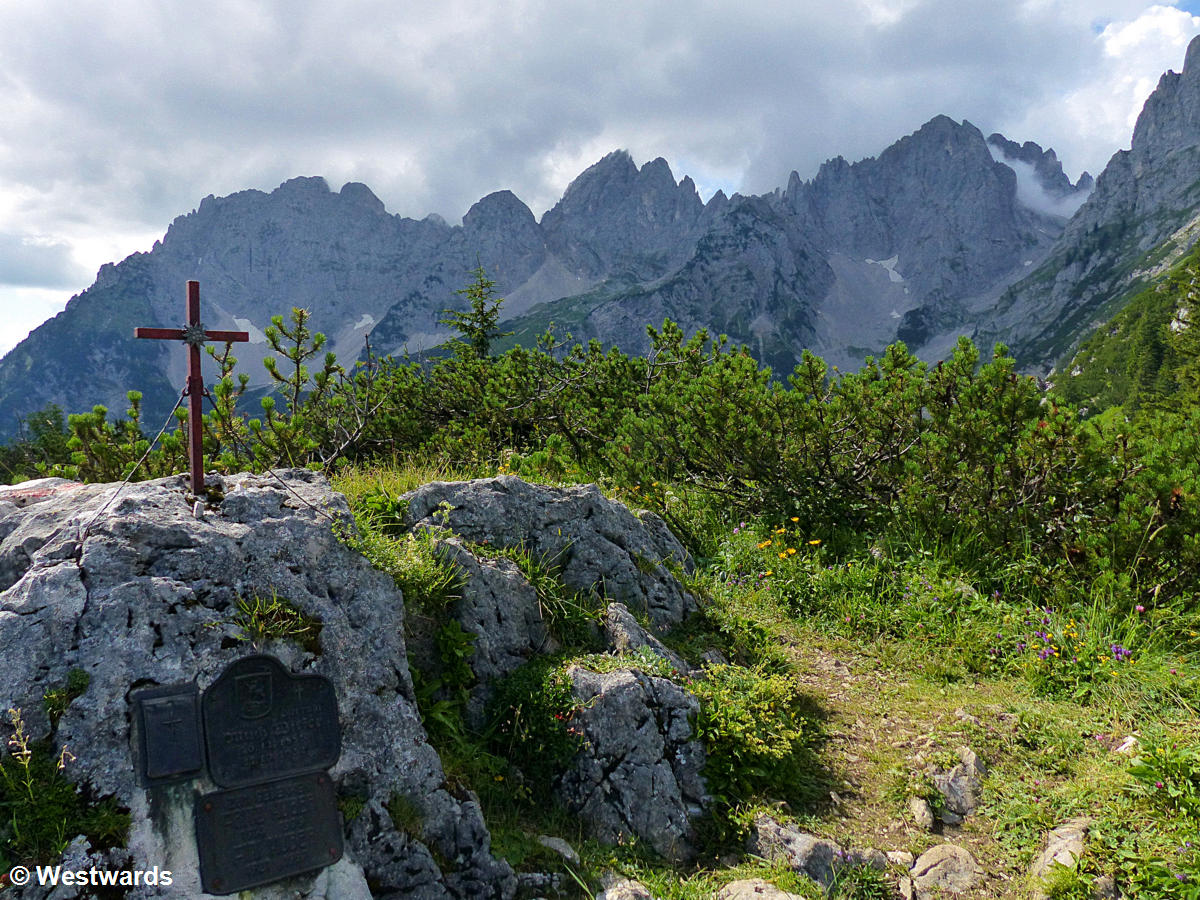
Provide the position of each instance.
(169, 742)
(254, 835)
(261, 723)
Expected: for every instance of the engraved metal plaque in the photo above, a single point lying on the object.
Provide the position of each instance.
(254, 835)
(261, 722)
(169, 741)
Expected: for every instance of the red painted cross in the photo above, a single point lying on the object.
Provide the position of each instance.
(194, 336)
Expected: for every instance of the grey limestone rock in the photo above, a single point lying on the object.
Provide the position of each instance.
(147, 595)
(1064, 846)
(500, 608)
(599, 545)
(618, 888)
(638, 773)
(559, 846)
(817, 858)
(921, 812)
(754, 889)
(624, 634)
(946, 868)
(961, 787)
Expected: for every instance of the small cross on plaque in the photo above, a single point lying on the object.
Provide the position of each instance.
(194, 335)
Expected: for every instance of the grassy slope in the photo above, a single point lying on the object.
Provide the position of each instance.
(901, 658)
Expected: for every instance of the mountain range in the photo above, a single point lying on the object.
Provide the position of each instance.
(946, 232)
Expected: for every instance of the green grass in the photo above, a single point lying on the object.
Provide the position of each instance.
(41, 810)
(262, 619)
(936, 647)
(57, 700)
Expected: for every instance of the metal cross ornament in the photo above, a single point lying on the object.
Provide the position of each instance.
(194, 335)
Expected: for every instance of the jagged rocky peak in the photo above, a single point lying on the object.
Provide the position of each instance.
(504, 236)
(1170, 120)
(303, 184)
(1044, 164)
(953, 147)
(617, 216)
(615, 181)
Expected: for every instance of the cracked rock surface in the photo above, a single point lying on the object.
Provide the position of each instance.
(600, 546)
(147, 595)
(639, 772)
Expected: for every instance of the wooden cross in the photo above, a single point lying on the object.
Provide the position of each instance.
(194, 335)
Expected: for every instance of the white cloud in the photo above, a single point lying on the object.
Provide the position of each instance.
(1031, 194)
(24, 309)
(1093, 117)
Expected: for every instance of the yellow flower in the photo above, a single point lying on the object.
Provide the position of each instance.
(814, 542)
(795, 518)
(766, 543)
(768, 572)
(782, 554)
(791, 551)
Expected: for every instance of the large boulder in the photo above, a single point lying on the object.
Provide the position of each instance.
(130, 588)
(597, 544)
(499, 608)
(638, 774)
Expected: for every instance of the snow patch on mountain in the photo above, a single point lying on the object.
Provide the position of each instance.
(890, 265)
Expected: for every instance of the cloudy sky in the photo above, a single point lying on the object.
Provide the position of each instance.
(117, 116)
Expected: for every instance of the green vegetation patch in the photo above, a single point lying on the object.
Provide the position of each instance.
(58, 699)
(41, 810)
(262, 619)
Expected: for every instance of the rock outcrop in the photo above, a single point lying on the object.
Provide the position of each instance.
(944, 869)
(500, 609)
(597, 545)
(132, 591)
(124, 588)
(638, 774)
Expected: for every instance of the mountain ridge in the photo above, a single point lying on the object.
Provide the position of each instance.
(944, 233)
